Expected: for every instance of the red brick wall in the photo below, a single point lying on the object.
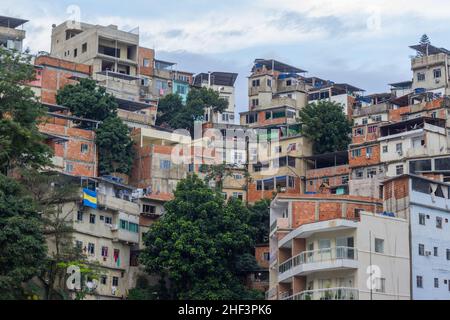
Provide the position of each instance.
(396, 115)
(362, 160)
(373, 136)
(400, 187)
(145, 53)
(259, 256)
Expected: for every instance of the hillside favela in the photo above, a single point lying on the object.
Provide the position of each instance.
(129, 172)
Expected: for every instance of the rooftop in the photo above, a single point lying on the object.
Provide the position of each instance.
(9, 22)
(217, 78)
(428, 49)
(276, 66)
(409, 125)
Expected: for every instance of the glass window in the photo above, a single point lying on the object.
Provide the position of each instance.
(422, 219)
(164, 164)
(115, 281)
(104, 251)
(80, 216)
(437, 73)
(92, 218)
(291, 181)
(146, 62)
(436, 251)
(91, 249)
(442, 164)
(419, 165)
(420, 76)
(379, 245)
(439, 222)
(385, 149)
(436, 282)
(356, 153)
(421, 250)
(124, 224)
(399, 170)
(448, 254)
(259, 185)
(108, 220)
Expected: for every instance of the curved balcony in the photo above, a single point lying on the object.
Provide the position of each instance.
(327, 294)
(318, 260)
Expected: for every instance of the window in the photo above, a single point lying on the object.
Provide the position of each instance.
(379, 245)
(148, 209)
(79, 244)
(421, 250)
(266, 256)
(146, 63)
(419, 281)
(372, 129)
(288, 83)
(124, 224)
(356, 153)
(437, 73)
(91, 249)
(84, 148)
(103, 280)
(75, 53)
(291, 182)
(439, 222)
(259, 185)
(84, 48)
(359, 131)
(256, 83)
(436, 251)
(422, 219)
(69, 167)
(364, 121)
(399, 170)
(108, 220)
(369, 150)
(115, 281)
(104, 252)
(358, 213)
(385, 149)
(399, 148)
(255, 102)
(381, 285)
(371, 172)
(92, 218)
(164, 164)
(133, 227)
(436, 282)
(448, 254)
(269, 83)
(359, 174)
(377, 118)
(420, 76)
(344, 180)
(80, 216)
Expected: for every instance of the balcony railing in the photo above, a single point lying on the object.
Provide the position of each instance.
(327, 294)
(321, 255)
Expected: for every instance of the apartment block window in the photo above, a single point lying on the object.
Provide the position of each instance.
(266, 256)
(345, 180)
(436, 282)
(436, 251)
(115, 281)
(103, 280)
(291, 182)
(420, 76)
(164, 164)
(259, 185)
(84, 148)
(69, 167)
(91, 249)
(269, 83)
(255, 102)
(359, 132)
(381, 287)
(399, 148)
(75, 53)
(80, 216)
(385, 149)
(359, 174)
(79, 244)
(84, 48)
(148, 209)
(379, 245)
(365, 121)
(377, 118)
(371, 172)
(419, 281)
(146, 63)
(421, 250)
(358, 213)
(92, 219)
(288, 83)
(356, 153)
(439, 222)
(104, 252)
(422, 219)
(108, 220)
(399, 170)
(256, 83)
(369, 150)
(372, 129)
(437, 73)
(448, 254)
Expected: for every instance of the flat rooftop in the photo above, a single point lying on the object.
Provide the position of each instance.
(10, 22)
(277, 66)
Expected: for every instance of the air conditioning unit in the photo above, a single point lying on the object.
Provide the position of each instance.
(114, 228)
(427, 253)
(438, 81)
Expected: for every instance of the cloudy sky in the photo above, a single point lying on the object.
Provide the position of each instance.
(361, 42)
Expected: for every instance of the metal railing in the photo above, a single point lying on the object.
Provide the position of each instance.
(327, 294)
(321, 255)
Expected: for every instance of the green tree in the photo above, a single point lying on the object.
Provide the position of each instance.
(21, 144)
(198, 243)
(115, 147)
(172, 113)
(87, 100)
(260, 219)
(22, 243)
(326, 125)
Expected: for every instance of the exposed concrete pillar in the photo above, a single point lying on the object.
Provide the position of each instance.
(344, 210)
(317, 211)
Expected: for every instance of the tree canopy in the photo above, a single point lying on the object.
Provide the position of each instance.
(21, 143)
(199, 244)
(115, 147)
(87, 100)
(326, 125)
(174, 114)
